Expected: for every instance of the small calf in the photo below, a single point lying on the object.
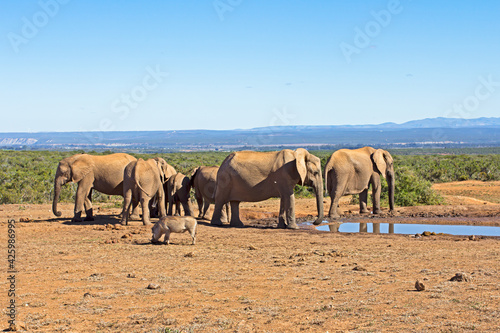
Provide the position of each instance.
(169, 224)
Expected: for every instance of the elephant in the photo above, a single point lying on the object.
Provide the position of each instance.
(153, 203)
(142, 180)
(255, 176)
(203, 181)
(352, 171)
(178, 188)
(102, 173)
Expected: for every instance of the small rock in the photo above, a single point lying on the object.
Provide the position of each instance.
(153, 286)
(17, 326)
(418, 235)
(251, 247)
(108, 241)
(24, 219)
(419, 285)
(87, 295)
(426, 233)
(472, 238)
(189, 255)
(460, 277)
(131, 275)
(127, 236)
(359, 269)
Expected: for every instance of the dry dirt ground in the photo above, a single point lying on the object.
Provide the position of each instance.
(94, 276)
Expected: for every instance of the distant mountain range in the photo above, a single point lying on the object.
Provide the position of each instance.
(430, 132)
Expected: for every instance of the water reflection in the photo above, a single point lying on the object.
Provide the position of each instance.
(363, 227)
(407, 228)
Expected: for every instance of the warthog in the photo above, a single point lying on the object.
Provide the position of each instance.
(168, 224)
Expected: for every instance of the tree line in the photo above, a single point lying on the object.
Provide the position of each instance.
(26, 177)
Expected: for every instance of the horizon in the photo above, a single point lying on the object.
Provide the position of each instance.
(228, 65)
(257, 128)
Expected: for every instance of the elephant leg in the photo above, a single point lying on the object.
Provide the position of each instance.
(170, 205)
(336, 192)
(177, 208)
(82, 192)
(135, 216)
(206, 205)
(235, 215)
(127, 202)
(290, 212)
(199, 201)
(161, 204)
(145, 211)
(282, 215)
(77, 217)
(217, 215)
(335, 198)
(376, 189)
(187, 208)
(88, 207)
(363, 201)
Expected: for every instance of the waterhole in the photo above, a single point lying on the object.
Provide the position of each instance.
(413, 226)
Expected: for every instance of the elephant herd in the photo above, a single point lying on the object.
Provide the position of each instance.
(243, 176)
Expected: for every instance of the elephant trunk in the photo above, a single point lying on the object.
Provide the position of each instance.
(391, 185)
(319, 202)
(326, 180)
(57, 192)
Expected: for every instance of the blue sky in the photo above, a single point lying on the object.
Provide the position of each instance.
(226, 64)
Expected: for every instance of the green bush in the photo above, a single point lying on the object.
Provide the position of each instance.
(304, 191)
(410, 189)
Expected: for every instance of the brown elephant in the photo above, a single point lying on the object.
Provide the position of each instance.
(102, 173)
(203, 181)
(256, 176)
(178, 189)
(142, 181)
(351, 171)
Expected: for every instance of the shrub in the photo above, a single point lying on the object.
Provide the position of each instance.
(411, 190)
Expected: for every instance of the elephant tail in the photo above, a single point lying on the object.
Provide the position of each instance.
(215, 191)
(137, 181)
(195, 173)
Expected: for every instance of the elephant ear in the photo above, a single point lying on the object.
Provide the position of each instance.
(300, 161)
(170, 171)
(193, 176)
(379, 161)
(160, 164)
(81, 168)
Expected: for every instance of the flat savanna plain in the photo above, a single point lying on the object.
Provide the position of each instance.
(93, 276)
